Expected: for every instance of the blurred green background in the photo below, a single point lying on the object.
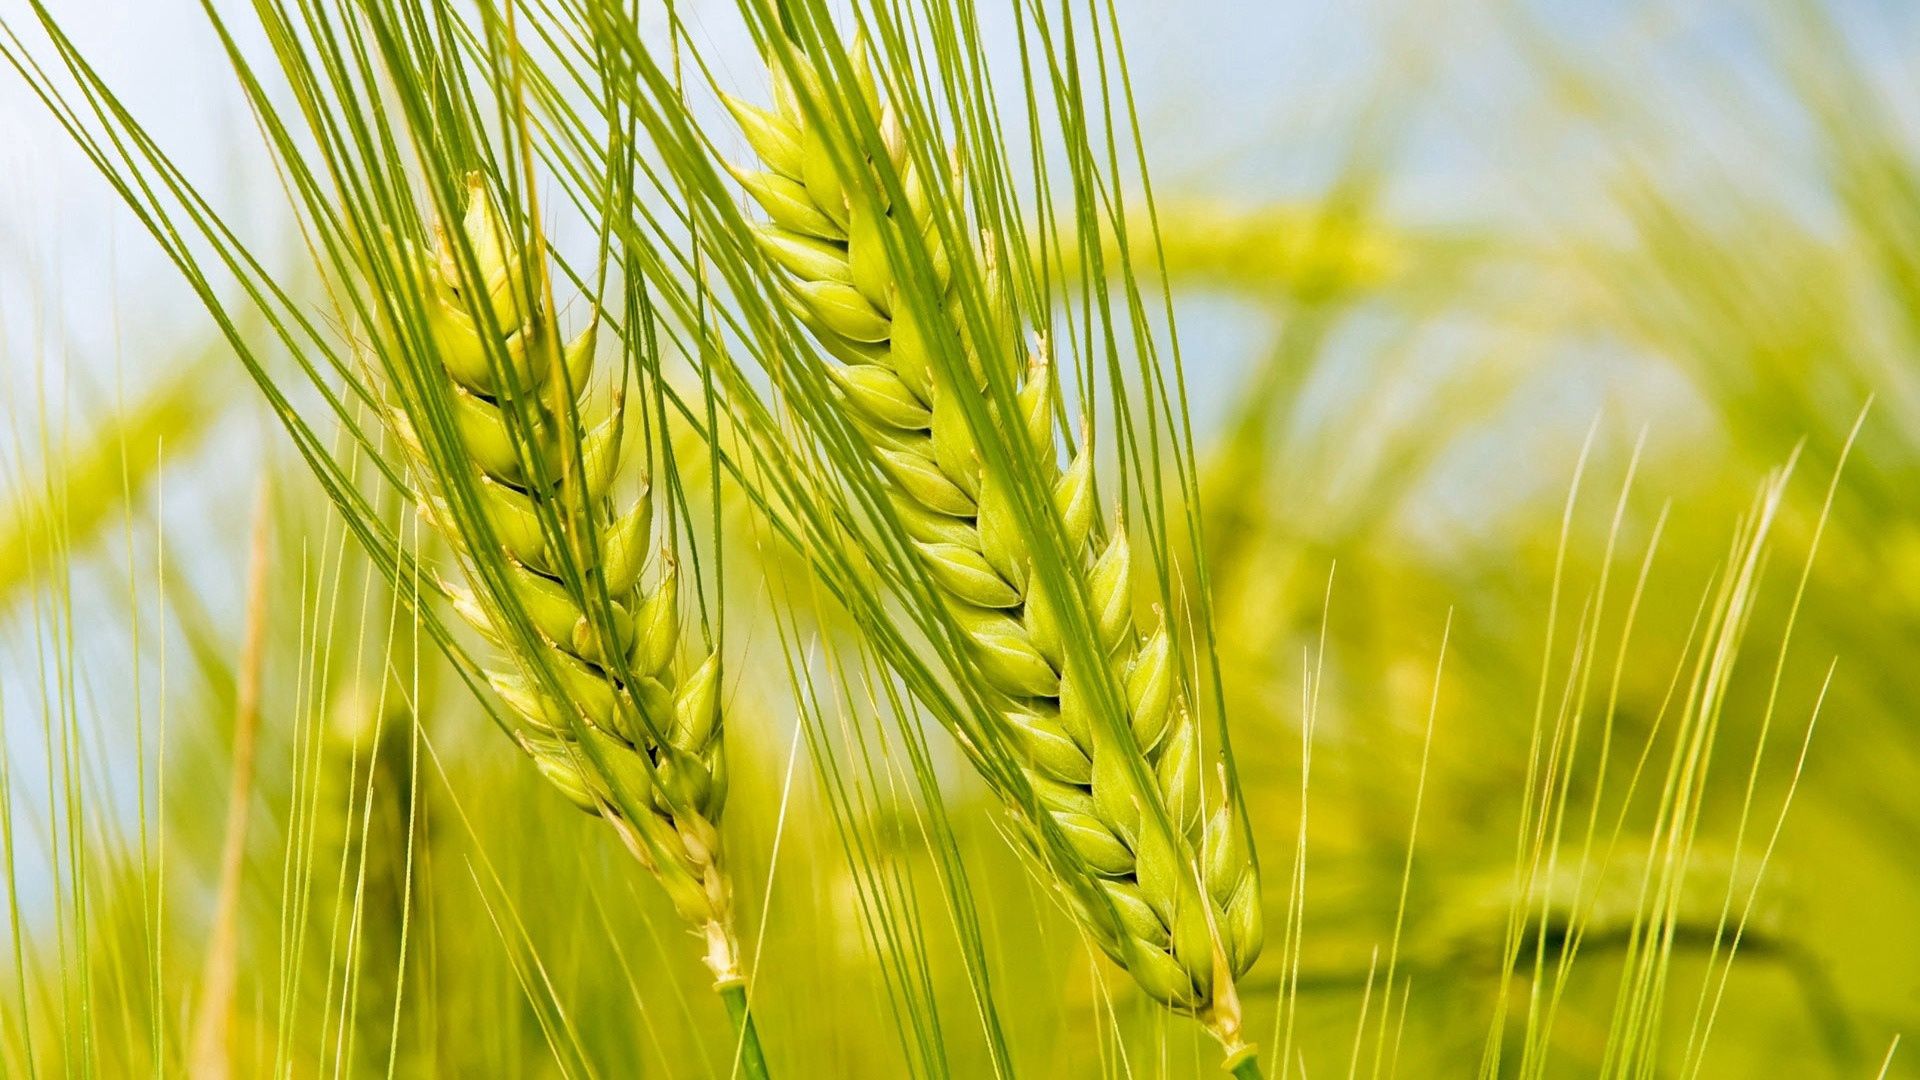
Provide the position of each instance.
(1581, 335)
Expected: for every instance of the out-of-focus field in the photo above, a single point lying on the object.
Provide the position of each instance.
(1559, 416)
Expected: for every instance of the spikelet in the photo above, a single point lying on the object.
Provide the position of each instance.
(634, 732)
(1182, 916)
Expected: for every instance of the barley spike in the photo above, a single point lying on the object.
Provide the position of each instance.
(1181, 913)
(634, 732)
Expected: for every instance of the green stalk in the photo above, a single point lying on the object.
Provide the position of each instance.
(746, 1048)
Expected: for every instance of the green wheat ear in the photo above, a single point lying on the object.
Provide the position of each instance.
(1183, 918)
(616, 710)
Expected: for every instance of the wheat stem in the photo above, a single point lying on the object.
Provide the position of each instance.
(1247, 1068)
(211, 1052)
(751, 1063)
